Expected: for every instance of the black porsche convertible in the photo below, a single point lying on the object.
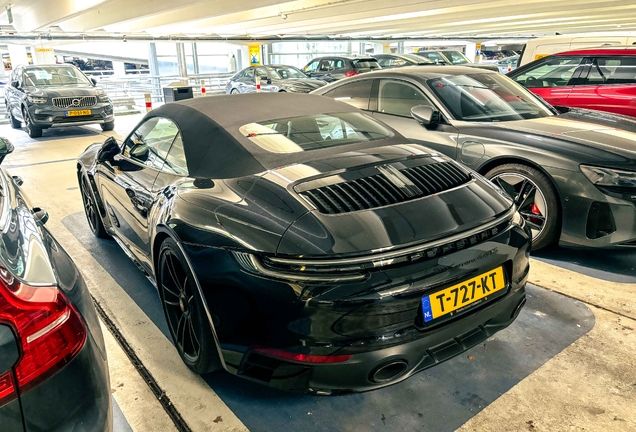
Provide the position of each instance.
(297, 242)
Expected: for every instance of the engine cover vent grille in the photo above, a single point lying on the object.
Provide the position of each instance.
(389, 186)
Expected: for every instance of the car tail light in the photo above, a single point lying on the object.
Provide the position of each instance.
(351, 73)
(303, 358)
(7, 388)
(49, 330)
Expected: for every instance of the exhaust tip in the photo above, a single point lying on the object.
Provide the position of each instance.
(389, 371)
(520, 306)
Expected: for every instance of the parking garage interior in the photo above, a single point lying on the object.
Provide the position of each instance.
(565, 359)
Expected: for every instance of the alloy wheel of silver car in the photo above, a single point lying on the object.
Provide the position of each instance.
(528, 198)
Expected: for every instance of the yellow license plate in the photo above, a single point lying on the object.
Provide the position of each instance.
(76, 113)
(463, 294)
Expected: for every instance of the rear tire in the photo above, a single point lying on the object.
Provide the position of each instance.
(91, 210)
(535, 197)
(234, 91)
(108, 126)
(185, 313)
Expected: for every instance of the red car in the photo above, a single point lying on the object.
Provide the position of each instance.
(595, 78)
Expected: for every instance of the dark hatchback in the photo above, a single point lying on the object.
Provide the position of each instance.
(337, 67)
(48, 96)
(53, 369)
(307, 246)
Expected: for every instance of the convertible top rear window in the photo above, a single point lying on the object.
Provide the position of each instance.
(312, 132)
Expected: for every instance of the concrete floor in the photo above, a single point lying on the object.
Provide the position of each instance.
(567, 363)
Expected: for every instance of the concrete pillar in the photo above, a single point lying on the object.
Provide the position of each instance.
(195, 59)
(378, 48)
(18, 55)
(181, 61)
(43, 55)
(471, 51)
(400, 48)
(363, 48)
(119, 68)
(153, 65)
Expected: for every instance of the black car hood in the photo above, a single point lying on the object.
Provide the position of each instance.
(612, 133)
(63, 91)
(265, 212)
(307, 84)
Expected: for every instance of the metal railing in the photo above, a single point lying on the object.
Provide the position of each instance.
(129, 91)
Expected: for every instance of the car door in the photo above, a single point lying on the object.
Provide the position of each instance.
(552, 78)
(266, 85)
(247, 83)
(392, 102)
(325, 70)
(127, 184)
(608, 84)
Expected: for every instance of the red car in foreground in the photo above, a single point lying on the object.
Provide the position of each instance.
(595, 78)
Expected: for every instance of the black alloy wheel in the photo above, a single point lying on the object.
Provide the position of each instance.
(187, 320)
(535, 198)
(90, 209)
(33, 131)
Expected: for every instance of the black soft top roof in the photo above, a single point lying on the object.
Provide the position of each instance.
(214, 147)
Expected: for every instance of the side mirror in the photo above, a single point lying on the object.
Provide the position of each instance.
(15, 84)
(109, 150)
(5, 148)
(94, 81)
(424, 114)
(40, 214)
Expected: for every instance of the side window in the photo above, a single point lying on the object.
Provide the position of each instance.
(612, 70)
(356, 93)
(149, 143)
(261, 72)
(433, 56)
(326, 65)
(384, 62)
(555, 72)
(312, 67)
(176, 160)
(249, 73)
(398, 98)
(338, 64)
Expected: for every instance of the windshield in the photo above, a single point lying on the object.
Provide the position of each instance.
(487, 97)
(54, 76)
(313, 132)
(456, 57)
(285, 72)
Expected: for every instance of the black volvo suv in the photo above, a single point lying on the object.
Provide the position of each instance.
(47, 96)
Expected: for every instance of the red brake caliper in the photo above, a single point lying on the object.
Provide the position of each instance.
(534, 209)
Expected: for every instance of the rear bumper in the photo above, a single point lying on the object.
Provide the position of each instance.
(592, 218)
(356, 375)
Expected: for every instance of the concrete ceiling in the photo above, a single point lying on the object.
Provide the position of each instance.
(348, 18)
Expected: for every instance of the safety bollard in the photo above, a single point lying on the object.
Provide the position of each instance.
(258, 84)
(148, 98)
(202, 87)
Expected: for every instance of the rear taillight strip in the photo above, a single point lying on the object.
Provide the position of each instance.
(52, 326)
